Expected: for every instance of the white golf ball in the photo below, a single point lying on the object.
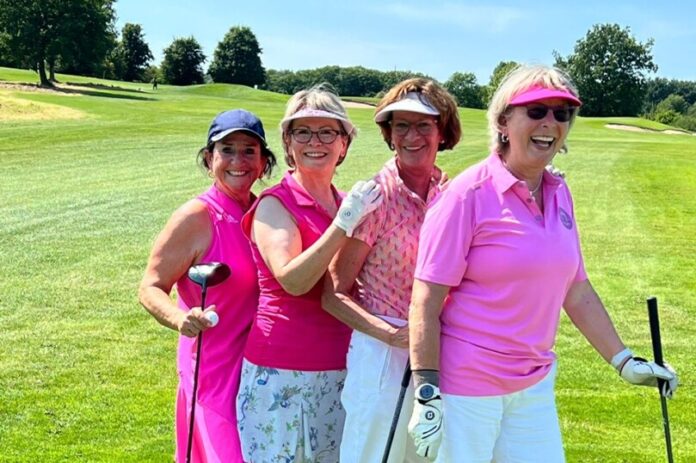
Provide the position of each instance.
(212, 317)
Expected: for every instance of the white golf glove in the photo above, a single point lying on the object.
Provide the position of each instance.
(425, 426)
(641, 372)
(362, 199)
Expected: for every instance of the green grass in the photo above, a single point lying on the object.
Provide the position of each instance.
(87, 375)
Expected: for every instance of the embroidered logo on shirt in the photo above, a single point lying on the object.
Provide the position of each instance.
(565, 219)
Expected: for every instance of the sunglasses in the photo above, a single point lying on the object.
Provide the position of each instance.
(539, 111)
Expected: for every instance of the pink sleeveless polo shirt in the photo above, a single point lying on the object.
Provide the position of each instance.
(295, 332)
(236, 300)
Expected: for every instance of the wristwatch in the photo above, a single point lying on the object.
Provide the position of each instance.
(427, 392)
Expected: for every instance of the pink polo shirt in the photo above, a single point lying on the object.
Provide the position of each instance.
(384, 284)
(509, 266)
(295, 332)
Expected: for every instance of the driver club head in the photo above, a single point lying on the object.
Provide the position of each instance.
(209, 274)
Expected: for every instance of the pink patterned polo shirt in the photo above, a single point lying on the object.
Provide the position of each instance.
(383, 286)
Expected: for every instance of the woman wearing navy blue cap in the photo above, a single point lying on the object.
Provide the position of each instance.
(207, 229)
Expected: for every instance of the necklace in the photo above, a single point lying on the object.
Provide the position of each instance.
(533, 192)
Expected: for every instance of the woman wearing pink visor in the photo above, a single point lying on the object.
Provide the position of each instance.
(499, 256)
(288, 405)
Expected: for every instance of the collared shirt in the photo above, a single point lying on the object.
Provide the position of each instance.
(295, 332)
(383, 286)
(510, 267)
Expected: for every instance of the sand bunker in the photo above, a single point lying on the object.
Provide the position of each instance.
(632, 128)
(17, 109)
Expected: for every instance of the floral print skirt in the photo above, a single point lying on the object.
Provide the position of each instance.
(290, 415)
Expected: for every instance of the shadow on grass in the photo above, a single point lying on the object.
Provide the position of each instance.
(104, 87)
(76, 89)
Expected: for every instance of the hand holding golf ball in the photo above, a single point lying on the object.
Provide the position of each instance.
(212, 317)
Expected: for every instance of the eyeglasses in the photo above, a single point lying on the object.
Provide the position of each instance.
(326, 136)
(424, 127)
(539, 111)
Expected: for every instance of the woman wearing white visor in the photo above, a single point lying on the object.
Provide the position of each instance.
(369, 281)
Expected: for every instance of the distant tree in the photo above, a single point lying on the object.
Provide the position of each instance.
(152, 74)
(237, 59)
(182, 62)
(499, 72)
(609, 66)
(49, 32)
(659, 88)
(6, 57)
(465, 89)
(674, 102)
(134, 52)
(358, 81)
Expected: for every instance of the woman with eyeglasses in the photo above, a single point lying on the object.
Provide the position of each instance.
(206, 229)
(369, 283)
(294, 363)
(499, 256)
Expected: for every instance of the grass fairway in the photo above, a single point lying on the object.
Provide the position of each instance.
(87, 375)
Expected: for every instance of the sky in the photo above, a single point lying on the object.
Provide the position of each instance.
(433, 37)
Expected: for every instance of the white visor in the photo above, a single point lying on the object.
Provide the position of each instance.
(413, 102)
(318, 113)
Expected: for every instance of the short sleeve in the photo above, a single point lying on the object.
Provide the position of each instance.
(368, 230)
(445, 239)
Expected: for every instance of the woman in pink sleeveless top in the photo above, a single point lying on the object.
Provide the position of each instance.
(289, 405)
(207, 229)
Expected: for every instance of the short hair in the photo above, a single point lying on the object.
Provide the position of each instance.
(517, 80)
(438, 97)
(322, 97)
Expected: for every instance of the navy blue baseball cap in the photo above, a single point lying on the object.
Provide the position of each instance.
(236, 120)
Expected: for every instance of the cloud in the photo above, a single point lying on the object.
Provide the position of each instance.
(482, 18)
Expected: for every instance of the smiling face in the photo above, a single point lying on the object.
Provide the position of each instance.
(314, 154)
(236, 163)
(534, 143)
(416, 138)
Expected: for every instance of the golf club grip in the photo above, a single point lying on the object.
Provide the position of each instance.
(655, 330)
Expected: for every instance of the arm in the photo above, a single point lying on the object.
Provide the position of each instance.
(424, 320)
(336, 298)
(184, 239)
(586, 311)
(276, 234)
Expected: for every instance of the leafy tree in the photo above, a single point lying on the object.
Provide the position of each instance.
(38, 32)
(676, 103)
(237, 59)
(465, 89)
(501, 70)
(358, 81)
(608, 67)
(659, 88)
(182, 63)
(134, 52)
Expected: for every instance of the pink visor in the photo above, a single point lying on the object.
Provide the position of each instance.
(537, 93)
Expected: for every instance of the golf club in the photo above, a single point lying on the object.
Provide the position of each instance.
(397, 411)
(657, 352)
(204, 275)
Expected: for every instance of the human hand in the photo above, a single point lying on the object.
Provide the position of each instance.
(425, 426)
(362, 199)
(641, 372)
(196, 320)
(398, 336)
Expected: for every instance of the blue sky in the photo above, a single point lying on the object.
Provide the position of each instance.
(434, 37)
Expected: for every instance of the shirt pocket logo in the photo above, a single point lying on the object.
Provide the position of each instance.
(565, 219)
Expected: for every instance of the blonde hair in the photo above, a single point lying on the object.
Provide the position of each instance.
(517, 80)
(438, 97)
(322, 97)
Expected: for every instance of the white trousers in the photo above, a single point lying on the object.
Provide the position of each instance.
(369, 398)
(521, 427)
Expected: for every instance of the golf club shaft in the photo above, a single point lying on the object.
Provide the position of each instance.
(657, 352)
(397, 411)
(199, 342)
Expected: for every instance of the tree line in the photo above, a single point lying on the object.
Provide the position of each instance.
(610, 67)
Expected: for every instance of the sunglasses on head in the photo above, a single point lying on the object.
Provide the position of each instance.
(560, 113)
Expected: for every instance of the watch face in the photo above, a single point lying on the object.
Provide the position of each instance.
(426, 392)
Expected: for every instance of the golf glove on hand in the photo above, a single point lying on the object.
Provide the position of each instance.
(641, 372)
(425, 426)
(362, 199)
